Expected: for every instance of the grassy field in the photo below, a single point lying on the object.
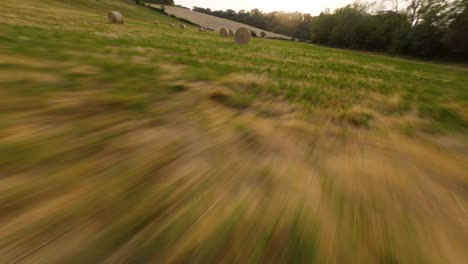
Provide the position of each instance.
(139, 143)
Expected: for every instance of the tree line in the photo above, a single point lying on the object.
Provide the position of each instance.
(428, 29)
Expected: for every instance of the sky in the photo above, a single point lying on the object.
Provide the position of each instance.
(304, 6)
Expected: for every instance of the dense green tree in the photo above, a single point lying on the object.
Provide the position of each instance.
(429, 29)
(321, 28)
(457, 34)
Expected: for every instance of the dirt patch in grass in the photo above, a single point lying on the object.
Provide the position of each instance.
(41, 77)
(28, 62)
(84, 70)
(231, 99)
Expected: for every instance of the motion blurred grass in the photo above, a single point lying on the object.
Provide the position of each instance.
(143, 143)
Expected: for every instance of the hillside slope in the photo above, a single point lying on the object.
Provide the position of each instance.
(212, 22)
(139, 143)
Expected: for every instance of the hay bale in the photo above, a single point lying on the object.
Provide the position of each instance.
(182, 26)
(115, 17)
(243, 36)
(172, 25)
(224, 32)
(263, 34)
(231, 33)
(156, 22)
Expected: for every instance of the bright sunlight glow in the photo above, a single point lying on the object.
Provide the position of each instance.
(304, 6)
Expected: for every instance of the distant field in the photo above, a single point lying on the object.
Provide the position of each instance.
(139, 143)
(212, 22)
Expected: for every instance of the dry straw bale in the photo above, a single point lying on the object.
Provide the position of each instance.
(224, 32)
(243, 36)
(182, 26)
(231, 33)
(115, 17)
(263, 34)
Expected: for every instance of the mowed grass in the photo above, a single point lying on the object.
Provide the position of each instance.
(139, 143)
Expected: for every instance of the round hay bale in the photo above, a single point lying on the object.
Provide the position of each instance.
(231, 33)
(182, 26)
(224, 32)
(156, 22)
(115, 17)
(243, 36)
(263, 34)
(172, 25)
